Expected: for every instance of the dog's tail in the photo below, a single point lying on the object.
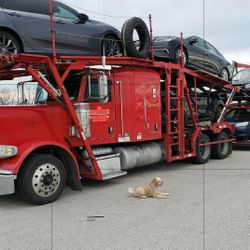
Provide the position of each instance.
(131, 190)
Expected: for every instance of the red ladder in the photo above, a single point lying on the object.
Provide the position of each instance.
(174, 105)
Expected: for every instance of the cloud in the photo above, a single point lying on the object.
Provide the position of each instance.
(242, 56)
(227, 25)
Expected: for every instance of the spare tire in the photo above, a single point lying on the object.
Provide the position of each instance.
(129, 45)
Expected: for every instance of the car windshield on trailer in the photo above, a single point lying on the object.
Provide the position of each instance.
(239, 114)
(242, 75)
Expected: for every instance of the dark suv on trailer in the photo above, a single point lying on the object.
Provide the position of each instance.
(25, 27)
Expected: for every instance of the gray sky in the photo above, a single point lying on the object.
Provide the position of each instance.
(225, 23)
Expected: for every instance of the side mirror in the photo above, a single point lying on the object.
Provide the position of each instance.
(83, 18)
(103, 86)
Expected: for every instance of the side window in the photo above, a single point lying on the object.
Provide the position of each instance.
(231, 113)
(72, 85)
(212, 49)
(91, 94)
(1, 3)
(200, 43)
(30, 6)
(198, 90)
(63, 11)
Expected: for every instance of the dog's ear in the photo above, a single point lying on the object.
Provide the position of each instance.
(155, 182)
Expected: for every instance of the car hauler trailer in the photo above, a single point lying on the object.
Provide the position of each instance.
(97, 123)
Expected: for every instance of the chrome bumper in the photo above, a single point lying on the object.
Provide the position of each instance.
(7, 182)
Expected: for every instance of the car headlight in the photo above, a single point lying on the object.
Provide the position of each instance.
(241, 124)
(7, 151)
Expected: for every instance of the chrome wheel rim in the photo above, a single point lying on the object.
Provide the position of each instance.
(204, 150)
(224, 74)
(178, 57)
(111, 47)
(46, 180)
(7, 46)
(223, 147)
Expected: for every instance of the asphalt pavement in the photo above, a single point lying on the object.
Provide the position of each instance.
(208, 208)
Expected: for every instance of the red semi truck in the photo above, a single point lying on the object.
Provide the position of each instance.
(97, 123)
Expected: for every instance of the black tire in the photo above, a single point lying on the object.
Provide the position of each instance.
(230, 151)
(203, 153)
(9, 44)
(41, 179)
(224, 74)
(11, 48)
(222, 150)
(129, 45)
(111, 45)
(216, 112)
(177, 55)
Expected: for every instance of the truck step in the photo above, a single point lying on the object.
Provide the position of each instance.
(115, 174)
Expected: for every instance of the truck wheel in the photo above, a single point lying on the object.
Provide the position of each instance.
(139, 49)
(221, 150)
(203, 153)
(42, 179)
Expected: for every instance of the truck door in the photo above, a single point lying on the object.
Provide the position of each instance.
(102, 113)
(98, 113)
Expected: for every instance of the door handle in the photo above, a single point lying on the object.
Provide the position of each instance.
(14, 14)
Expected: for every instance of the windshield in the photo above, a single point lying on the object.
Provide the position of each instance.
(239, 114)
(41, 95)
(242, 75)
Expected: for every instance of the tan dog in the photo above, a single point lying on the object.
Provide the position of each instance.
(149, 190)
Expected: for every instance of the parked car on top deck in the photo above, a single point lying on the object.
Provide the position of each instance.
(25, 27)
(242, 79)
(198, 53)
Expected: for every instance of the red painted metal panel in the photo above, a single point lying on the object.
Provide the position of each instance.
(102, 122)
(30, 127)
(138, 105)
